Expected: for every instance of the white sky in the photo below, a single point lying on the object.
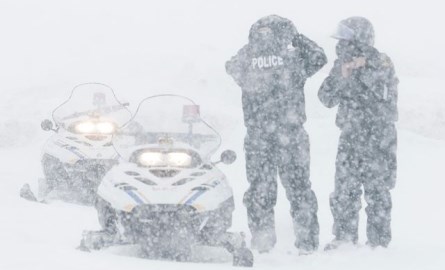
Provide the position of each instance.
(50, 42)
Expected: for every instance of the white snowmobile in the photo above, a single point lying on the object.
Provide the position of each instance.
(79, 153)
(167, 195)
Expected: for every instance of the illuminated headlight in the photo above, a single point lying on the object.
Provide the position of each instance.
(105, 127)
(85, 127)
(152, 159)
(179, 159)
(90, 127)
(159, 159)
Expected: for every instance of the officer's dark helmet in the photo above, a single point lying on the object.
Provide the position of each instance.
(273, 27)
(355, 29)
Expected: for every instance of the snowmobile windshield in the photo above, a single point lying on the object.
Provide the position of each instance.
(166, 124)
(92, 108)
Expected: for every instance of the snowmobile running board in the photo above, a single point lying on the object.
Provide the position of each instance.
(233, 243)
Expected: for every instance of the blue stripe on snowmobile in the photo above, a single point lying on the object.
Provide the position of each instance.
(70, 148)
(194, 197)
(134, 196)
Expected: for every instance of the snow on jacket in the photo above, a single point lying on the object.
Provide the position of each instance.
(369, 95)
(272, 73)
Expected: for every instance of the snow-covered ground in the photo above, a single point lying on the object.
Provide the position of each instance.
(141, 48)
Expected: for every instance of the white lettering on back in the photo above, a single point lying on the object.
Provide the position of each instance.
(267, 62)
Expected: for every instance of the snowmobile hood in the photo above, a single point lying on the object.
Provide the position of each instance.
(127, 185)
(282, 30)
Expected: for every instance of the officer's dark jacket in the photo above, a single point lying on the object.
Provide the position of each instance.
(272, 74)
(368, 96)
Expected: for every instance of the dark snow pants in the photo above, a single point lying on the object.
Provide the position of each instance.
(284, 152)
(366, 156)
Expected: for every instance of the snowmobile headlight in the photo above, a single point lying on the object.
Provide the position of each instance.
(179, 159)
(91, 127)
(105, 127)
(162, 159)
(85, 127)
(152, 159)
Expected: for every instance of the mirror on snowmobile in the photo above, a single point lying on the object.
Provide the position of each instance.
(47, 125)
(228, 157)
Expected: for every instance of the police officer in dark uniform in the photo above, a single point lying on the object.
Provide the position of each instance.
(364, 86)
(272, 70)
